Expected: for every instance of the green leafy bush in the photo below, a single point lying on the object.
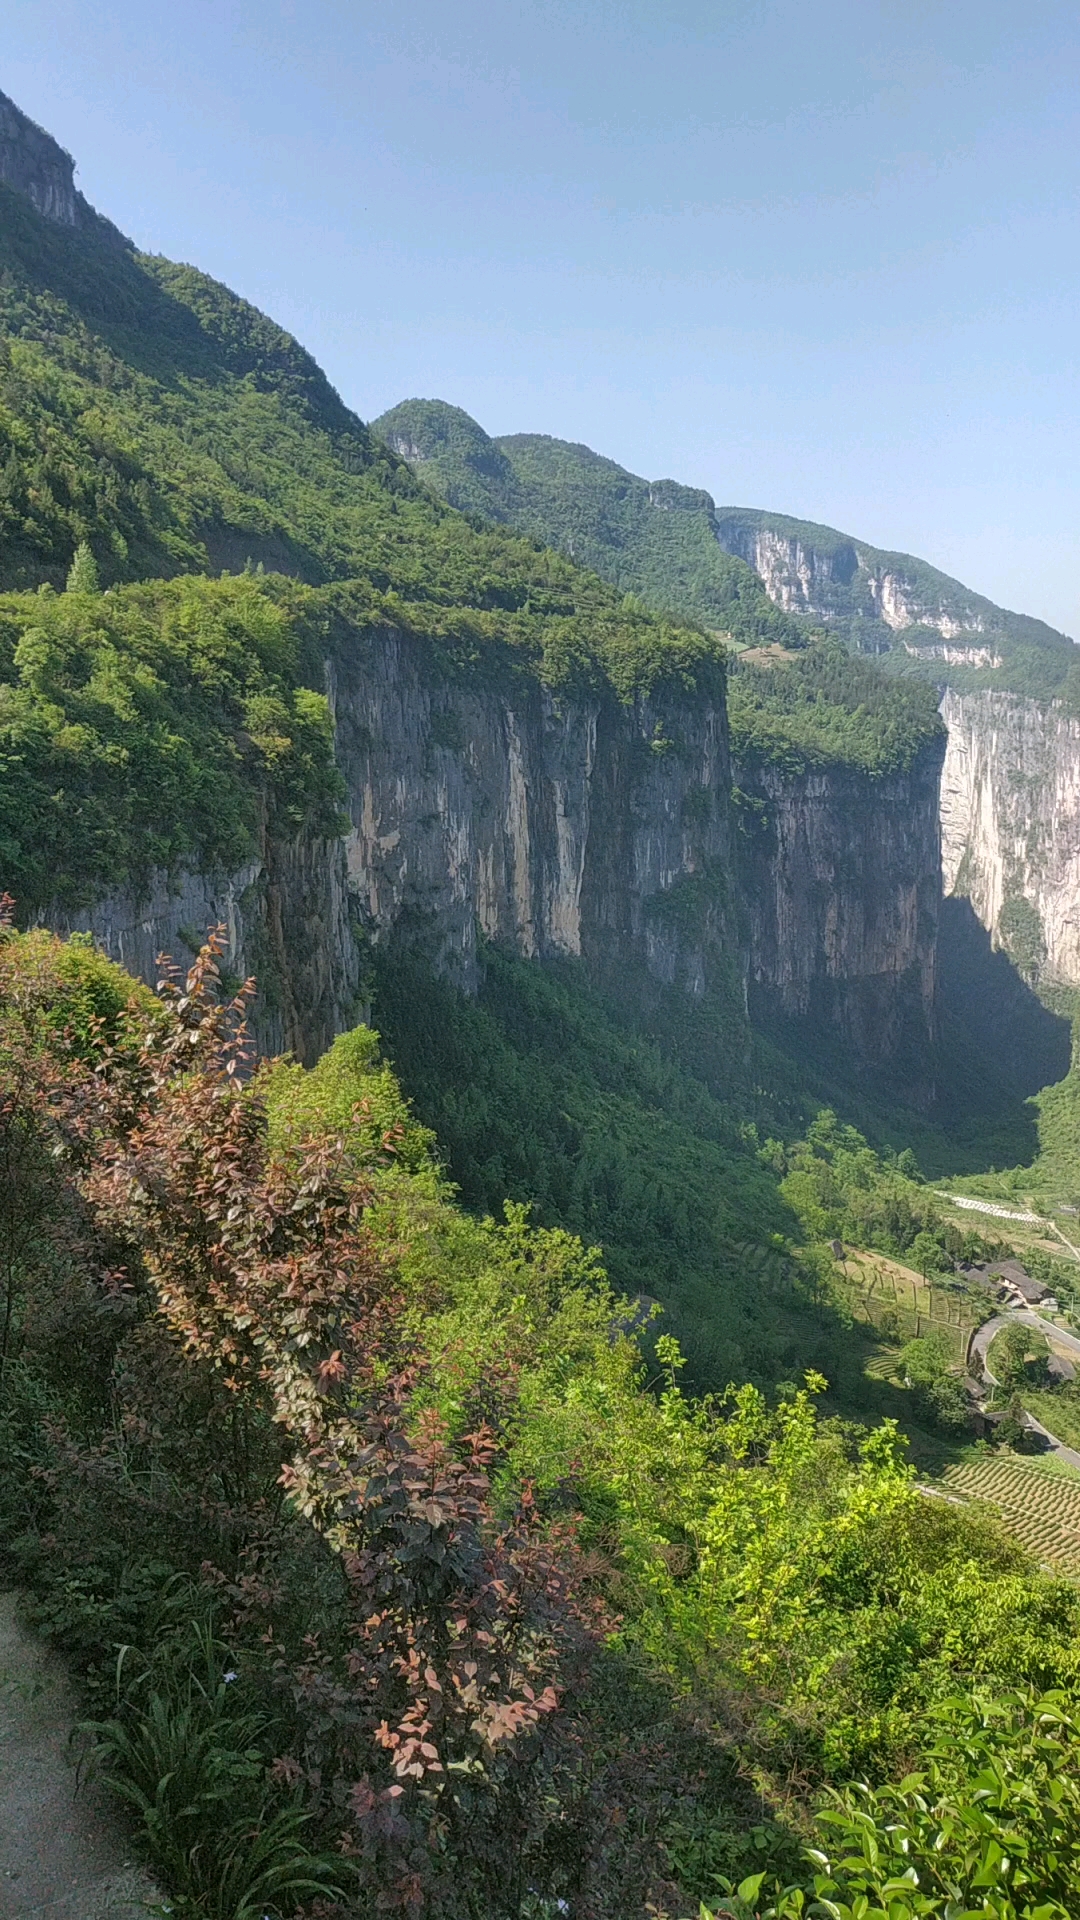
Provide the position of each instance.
(154, 725)
(987, 1828)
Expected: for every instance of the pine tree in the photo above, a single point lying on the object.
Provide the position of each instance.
(83, 573)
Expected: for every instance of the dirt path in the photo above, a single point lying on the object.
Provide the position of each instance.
(61, 1855)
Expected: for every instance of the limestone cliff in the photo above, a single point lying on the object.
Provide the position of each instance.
(33, 163)
(842, 882)
(876, 598)
(1010, 795)
(1010, 811)
(572, 826)
(286, 920)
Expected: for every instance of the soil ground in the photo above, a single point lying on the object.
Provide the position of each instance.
(62, 1854)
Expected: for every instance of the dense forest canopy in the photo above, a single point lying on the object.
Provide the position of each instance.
(655, 540)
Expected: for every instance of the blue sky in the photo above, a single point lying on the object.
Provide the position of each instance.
(815, 255)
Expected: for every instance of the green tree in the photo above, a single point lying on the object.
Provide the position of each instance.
(1008, 1355)
(926, 1361)
(928, 1256)
(83, 576)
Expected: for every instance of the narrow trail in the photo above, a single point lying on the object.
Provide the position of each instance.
(62, 1856)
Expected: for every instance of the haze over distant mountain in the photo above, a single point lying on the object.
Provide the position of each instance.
(678, 550)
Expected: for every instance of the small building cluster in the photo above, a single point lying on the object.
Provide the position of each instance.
(1013, 1284)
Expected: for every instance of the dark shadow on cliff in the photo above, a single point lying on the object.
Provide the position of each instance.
(984, 1003)
(997, 1045)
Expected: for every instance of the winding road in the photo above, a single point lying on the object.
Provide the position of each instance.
(1056, 1337)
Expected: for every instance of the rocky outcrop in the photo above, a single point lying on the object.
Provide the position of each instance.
(841, 874)
(798, 574)
(33, 163)
(1010, 810)
(558, 826)
(1010, 794)
(871, 596)
(286, 920)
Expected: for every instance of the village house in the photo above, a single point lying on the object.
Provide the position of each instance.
(1013, 1284)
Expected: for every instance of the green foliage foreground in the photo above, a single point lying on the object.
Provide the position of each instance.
(472, 1611)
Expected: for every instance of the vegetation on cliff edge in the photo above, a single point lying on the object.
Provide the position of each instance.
(432, 1592)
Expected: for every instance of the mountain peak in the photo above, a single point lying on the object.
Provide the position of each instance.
(35, 164)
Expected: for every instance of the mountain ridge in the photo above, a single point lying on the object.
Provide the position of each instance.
(813, 574)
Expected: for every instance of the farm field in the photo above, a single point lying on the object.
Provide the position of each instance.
(1022, 1237)
(1042, 1510)
(903, 1305)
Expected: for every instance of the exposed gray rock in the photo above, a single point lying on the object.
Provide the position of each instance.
(576, 827)
(557, 826)
(286, 919)
(1010, 810)
(842, 877)
(33, 163)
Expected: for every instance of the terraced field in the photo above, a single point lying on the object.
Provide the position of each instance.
(1042, 1510)
(884, 1365)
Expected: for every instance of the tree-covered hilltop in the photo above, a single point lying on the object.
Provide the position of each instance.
(160, 429)
(676, 549)
(151, 413)
(824, 707)
(656, 540)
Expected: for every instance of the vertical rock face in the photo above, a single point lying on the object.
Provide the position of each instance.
(798, 575)
(557, 826)
(842, 875)
(1010, 809)
(286, 920)
(1010, 794)
(33, 163)
(848, 585)
(572, 826)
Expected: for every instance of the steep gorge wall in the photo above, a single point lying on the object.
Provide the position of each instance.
(1010, 812)
(842, 881)
(846, 584)
(33, 163)
(1010, 789)
(286, 920)
(571, 826)
(557, 825)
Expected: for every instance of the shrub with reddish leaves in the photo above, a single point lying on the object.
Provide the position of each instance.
(424, 1706)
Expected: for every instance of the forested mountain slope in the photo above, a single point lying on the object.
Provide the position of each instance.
(436, 1592)
(675, 546)
(655, 540)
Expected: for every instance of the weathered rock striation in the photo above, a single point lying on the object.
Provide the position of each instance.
(1010, 793)
(842, 883)
(873, 596)
(35, 164)
(556, 825)
(572, 826)
(286, 920)
(1010, 812)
